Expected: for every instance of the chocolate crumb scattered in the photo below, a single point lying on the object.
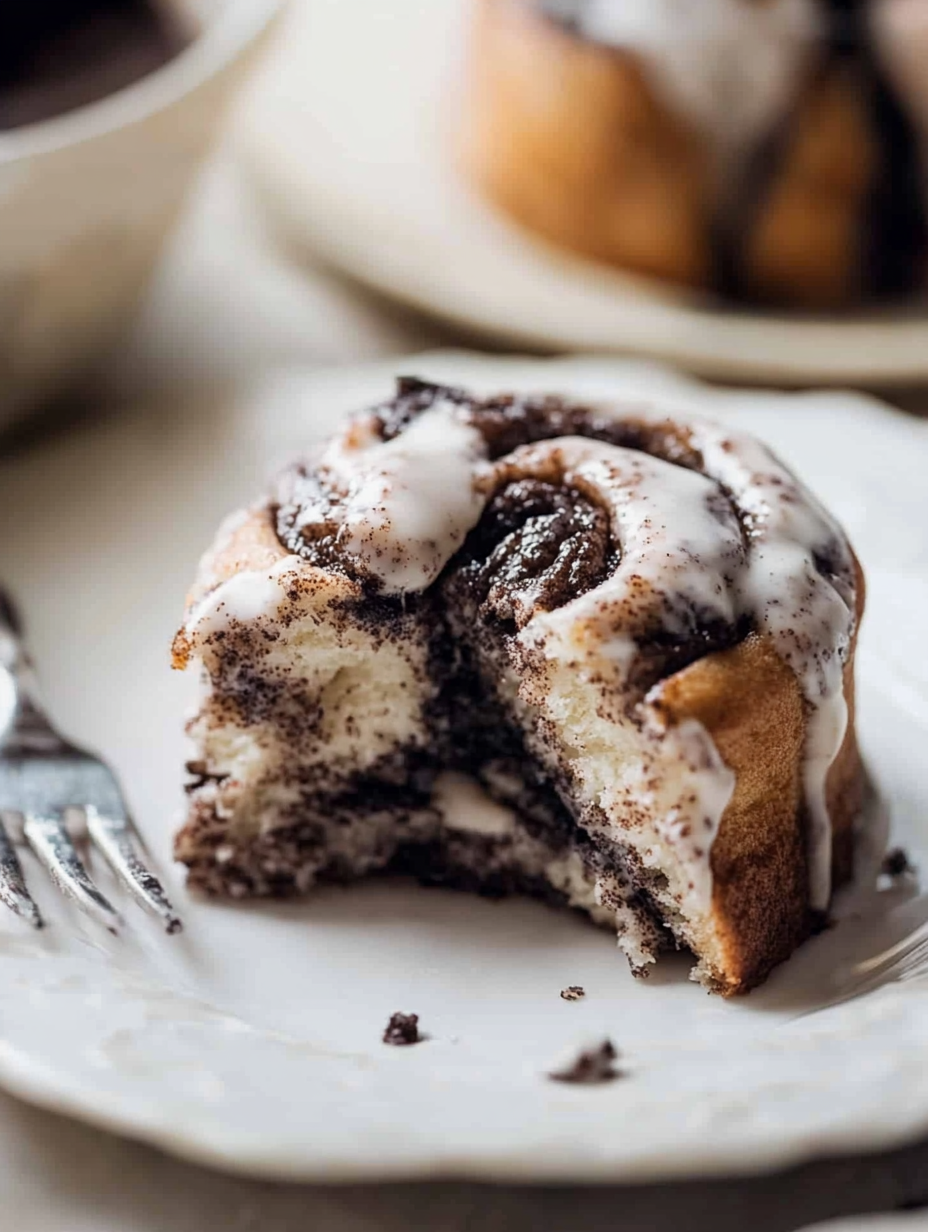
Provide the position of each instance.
(402, 1029)
(573, 992)
(896, 863)
(592, 1065)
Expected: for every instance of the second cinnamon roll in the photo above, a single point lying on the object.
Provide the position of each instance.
(772, 152)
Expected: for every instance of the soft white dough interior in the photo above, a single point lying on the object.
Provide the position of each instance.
(371, 691)
(635, 776)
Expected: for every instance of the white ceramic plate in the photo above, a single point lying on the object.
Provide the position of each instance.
(253, 1041)
(348, 137)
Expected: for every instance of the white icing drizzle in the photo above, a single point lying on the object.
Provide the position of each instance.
(672, 548)
(710, 785)
(675, 548)
(242, 598)
(407, 503)
(810, 617)
(728, 66)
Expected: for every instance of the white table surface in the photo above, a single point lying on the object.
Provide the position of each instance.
(226, 304)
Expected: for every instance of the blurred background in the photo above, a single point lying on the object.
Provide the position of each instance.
(193, 189)
(196, 192)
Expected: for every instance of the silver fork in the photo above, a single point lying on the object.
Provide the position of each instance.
(46, 782)
(904, 961)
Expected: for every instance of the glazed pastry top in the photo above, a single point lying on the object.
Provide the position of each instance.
(599, 534)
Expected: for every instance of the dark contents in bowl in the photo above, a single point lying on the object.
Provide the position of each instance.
(56, 55)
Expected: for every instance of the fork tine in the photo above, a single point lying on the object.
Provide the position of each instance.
(13, 892)
(49, 839)
(113, 836)
(896, 953)
(906, 960)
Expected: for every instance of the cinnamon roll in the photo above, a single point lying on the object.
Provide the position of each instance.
(527, 644)
(771, 151)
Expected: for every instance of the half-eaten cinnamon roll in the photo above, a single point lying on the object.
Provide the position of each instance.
(526, 644)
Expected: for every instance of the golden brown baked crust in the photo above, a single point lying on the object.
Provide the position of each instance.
(749, 701)
(570, 140)
(804, 247)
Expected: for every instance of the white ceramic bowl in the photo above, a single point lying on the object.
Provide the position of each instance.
(87, 198)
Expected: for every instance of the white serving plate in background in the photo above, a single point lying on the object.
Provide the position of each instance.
(252, 1041)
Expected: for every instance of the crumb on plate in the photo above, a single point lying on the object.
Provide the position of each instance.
(896, 863)
(402, 1029)
(590, 1065)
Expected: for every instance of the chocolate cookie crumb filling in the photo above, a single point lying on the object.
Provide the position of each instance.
(591, 1066)
(573, 992)
(402, 1029)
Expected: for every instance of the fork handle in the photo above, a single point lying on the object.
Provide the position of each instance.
(12, 656)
